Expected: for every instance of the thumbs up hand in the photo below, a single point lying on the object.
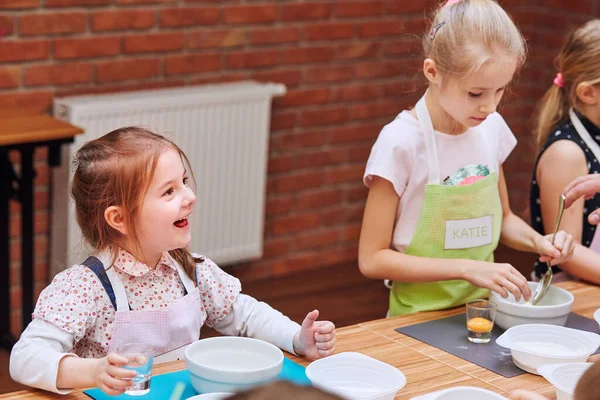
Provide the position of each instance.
(316, 339)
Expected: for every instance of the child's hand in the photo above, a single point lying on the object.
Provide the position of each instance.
(316, 339)
(526, 395)
(559, 253)
(499, 277)
(110, 377)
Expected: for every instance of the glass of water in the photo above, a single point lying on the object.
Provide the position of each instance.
(480, 320)
(140, 358)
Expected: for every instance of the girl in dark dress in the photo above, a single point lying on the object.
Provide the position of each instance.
(568, 132)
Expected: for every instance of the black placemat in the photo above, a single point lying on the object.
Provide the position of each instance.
(450, 334)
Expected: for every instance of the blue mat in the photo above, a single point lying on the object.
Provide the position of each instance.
(161, 386)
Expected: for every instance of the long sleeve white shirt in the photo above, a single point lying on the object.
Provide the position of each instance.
(71, 314)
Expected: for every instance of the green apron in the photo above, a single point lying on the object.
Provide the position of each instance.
(456, 222)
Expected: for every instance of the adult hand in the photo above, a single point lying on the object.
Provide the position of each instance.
(585, 186)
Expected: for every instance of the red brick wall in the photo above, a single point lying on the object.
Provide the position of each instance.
(349, 66)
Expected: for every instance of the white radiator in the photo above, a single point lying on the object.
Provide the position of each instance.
(224, 131)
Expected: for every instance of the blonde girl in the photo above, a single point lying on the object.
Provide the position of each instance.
(568, 134)
(436, 242)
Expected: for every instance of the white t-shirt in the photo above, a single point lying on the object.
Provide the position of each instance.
(399, 156)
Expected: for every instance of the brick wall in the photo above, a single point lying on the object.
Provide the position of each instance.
(349, 66)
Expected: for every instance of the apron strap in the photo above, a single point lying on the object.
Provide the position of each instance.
(584, 134)
(430, 146)
(120, 294)
(429, 137)
(97, 268)
(114, 287)
(188, 284)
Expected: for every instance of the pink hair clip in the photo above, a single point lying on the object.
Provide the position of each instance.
(450, 2)
(559, 80)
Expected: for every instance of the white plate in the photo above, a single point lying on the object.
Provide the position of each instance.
(564, 377)
(211, 396)
(461, 393)
(356, 376)
(597, 316)
(534, 345)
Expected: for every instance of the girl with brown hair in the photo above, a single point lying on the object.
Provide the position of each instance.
(132, 196)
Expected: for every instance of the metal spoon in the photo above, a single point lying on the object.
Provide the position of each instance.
(542, 287)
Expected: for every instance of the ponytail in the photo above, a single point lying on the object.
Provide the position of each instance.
(554, 107)
(577, 62)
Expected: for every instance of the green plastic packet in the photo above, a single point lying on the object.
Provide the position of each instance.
(467, 171)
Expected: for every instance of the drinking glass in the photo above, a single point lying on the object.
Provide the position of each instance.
(480, 320)
(140, 357)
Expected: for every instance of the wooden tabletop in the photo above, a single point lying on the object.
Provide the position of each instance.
(427, 368)
(21, 129)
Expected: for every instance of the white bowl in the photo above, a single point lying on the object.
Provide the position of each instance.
(564, 377)
(461, 393)
(553, 309)
(356, 376)
(597, 316)
(231, 364)
(534, 345)
(211, 396)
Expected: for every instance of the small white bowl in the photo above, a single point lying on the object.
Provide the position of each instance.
(597, 316)
(534, 345)
(211, 396)
(355, 376)
(231, 364)
(461, 393)
(553, 309)
(564, 377)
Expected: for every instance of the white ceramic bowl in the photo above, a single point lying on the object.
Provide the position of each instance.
(534, 345)
(355, 376)
(597, 316)
(231, 364)
(564, 377)
(553, 309)
(461, 393)
(211, 396)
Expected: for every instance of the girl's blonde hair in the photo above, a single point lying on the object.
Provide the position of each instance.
(116, 170)
(578, 61)
(465, 34)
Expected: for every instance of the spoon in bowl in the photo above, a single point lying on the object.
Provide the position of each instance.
(544, 284)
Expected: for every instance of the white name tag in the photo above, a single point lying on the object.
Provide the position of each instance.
(468, 233)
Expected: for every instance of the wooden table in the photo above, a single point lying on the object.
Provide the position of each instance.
(426, 368)
(23, 132)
